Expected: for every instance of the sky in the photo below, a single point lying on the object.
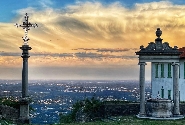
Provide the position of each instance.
(86, 40)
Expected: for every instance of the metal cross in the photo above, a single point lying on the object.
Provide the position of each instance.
(26, 26)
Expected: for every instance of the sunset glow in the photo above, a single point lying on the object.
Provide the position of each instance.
(87, 39)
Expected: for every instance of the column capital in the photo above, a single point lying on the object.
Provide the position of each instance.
(25, 47)
(25, 51)
(175, 63)
(142, 63)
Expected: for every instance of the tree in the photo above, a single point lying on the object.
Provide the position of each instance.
(84, 110)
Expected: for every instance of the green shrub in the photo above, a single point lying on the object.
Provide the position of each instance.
(89, 107)
(9, 102)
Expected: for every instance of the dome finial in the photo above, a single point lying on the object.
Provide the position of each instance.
(158, 33)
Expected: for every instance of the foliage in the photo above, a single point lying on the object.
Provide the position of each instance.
(4, 122)
(12, 102)
(92, 108)
(9, 102)
(89, 107)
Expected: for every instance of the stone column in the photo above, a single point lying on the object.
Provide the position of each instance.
(142, 112)
(25, 56)
(176, 111)
(24, 102)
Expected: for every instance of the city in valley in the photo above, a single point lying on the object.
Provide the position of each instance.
(50, 98)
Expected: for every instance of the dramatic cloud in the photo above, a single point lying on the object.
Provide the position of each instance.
(91, 24)
(92, 34)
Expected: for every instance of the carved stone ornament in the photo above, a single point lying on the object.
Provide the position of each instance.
(158, 32)
(158, 47)
(151, 46)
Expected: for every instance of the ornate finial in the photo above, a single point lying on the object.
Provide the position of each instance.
(141, 47)
(158, 33)
(26, 26)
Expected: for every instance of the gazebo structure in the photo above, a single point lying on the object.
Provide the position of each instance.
(159, 52)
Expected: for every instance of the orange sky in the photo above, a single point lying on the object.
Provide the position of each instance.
(88, 40)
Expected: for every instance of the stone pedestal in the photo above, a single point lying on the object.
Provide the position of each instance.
(159, 108)
(24, 111)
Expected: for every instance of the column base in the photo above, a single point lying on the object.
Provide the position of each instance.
(141, 115)
(24, 101)
(24, 111)
(177, 115)
(23, 121)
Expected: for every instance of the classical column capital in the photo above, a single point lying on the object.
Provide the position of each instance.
(175, 63)
(142, 63)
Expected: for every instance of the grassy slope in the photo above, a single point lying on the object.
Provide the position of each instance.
(132, 120)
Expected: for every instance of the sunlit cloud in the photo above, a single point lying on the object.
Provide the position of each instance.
(86, 25)
(90, 33)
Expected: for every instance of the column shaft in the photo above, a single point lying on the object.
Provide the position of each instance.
(25, 78)
(25, 56)
(176, 110)
(142, 88)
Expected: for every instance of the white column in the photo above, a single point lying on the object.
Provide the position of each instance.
(176, 110)
(142, 112)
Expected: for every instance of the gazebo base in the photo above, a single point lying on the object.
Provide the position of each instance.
(155, 118)
(160, 109)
